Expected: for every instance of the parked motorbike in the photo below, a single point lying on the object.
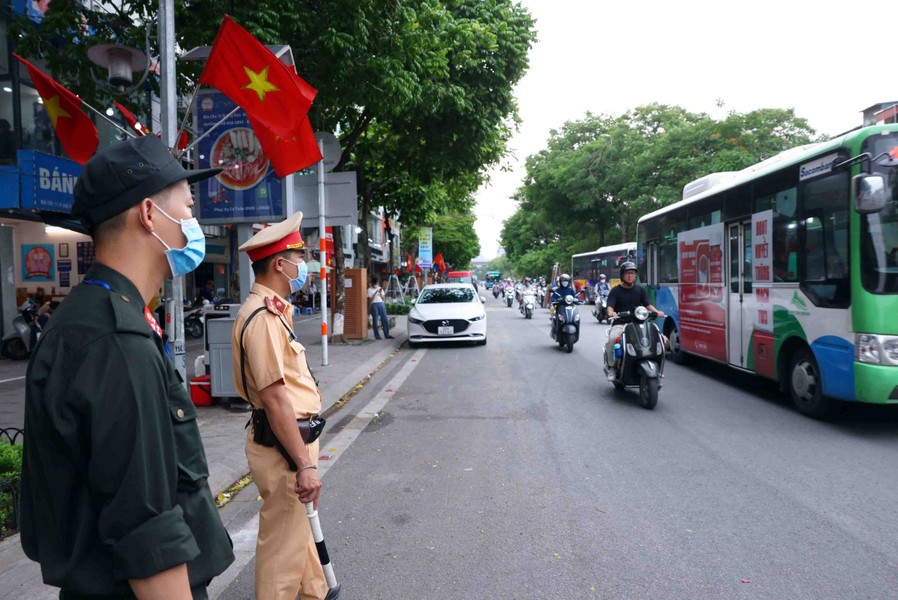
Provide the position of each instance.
(599, 310)
(639, 353)
(528, 304)
(509, 296)
(193, 321)
(566, 323)
(20, 341)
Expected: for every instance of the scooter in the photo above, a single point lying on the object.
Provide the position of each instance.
(528, 303)
(566, 323)
(193, 321)
(639, 354)
(599, 310)
(19, 342)
(497, 290)
(509, 296)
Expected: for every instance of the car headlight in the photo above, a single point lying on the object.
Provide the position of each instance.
(412, 319)
(478, 318)
(876, 349)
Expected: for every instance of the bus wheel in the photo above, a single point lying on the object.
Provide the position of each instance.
(676, 352)
(806, 387)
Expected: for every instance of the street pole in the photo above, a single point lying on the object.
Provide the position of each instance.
(322, 245)
(174, 288)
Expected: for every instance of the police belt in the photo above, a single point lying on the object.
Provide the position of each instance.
(309, 429)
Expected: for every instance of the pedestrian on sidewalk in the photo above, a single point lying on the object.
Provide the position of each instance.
(272, 373)
(378, 309)
(115, 502)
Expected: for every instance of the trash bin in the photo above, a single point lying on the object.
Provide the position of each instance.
(201, 390)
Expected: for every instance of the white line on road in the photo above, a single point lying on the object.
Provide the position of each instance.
(13, 379)
(245, 539)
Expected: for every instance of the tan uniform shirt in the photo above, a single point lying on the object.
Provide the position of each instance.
(272, 353)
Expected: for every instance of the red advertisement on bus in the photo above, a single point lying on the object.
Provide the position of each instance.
(701, 292)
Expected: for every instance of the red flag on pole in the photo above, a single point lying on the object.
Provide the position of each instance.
(248, 73)
(131, 120)
(440, 263)
(76, 132)
(288, 154)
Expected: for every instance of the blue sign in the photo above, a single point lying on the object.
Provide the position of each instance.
(248, 190)
(47, 181)
(64, 266)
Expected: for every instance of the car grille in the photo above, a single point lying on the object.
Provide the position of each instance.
(433, 326)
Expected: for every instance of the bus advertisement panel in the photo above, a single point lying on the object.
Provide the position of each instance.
(762, 264)
(702, 306)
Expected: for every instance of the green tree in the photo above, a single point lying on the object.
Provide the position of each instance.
(454, 236)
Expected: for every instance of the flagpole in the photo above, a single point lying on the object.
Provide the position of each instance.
(186, 116)
(208, 131)
(110, 121)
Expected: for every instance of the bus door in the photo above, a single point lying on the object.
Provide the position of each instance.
(741, 302)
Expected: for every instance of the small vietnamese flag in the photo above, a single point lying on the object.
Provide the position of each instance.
(76, 132)
(248, 73)
(439, 262)
(131, 120)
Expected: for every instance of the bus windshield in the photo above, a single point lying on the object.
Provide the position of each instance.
(879, 231)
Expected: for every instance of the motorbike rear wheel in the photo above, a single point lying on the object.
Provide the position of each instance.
(194, 328)
(648, 391)
(15, 349)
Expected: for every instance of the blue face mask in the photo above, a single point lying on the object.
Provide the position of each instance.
(302, 270)
(184, 260)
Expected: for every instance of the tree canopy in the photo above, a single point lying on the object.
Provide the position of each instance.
(597, 176)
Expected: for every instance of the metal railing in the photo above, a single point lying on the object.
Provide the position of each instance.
(9, 487)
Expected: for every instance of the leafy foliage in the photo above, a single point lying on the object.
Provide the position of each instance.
(10, 476)
(597, 176)
(454, 236)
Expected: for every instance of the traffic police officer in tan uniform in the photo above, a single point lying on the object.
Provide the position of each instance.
(115, 499)
(271, 371)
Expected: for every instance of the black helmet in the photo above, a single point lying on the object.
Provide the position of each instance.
(627, 266)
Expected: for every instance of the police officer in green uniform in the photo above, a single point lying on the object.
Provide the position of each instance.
(115, 502)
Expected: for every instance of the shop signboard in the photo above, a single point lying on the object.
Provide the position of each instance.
(248, 190)
(37, 263)
(48, 182)
(701, 292)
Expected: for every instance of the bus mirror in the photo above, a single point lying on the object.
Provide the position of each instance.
(870, 193)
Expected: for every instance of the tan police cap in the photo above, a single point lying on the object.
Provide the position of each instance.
(277, 238)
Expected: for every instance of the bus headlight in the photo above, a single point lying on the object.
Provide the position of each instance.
(876, 349)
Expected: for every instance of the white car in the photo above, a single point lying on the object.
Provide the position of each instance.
(447, 312)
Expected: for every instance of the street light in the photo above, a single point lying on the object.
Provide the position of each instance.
(120, 62)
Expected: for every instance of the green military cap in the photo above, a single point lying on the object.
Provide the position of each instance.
(121, 175)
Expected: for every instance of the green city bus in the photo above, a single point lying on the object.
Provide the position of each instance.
(788, 269)
(492, 278)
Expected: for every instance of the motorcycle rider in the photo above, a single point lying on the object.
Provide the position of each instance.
(564, 289)
(602, 290)
(624, 298)
(526, 286)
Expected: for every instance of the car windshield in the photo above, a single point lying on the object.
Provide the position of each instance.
(446, 295)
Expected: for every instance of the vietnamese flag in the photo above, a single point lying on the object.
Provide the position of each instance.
(288, 154)
(439, 262)
(131, 120)
(248, 73)
(76, 132)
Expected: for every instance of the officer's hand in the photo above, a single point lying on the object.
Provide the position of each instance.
(308, 486)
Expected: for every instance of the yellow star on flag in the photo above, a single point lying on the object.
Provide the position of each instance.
(53, 109)
(258, 82)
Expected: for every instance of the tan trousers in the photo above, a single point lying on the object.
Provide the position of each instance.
(287, 561)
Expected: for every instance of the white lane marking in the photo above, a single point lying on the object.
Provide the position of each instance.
(341, 442)
(13, 379)
(245, 538)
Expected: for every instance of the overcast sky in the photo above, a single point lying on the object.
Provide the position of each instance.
(828, 61)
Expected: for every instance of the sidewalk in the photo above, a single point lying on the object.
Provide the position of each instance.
(223, 436)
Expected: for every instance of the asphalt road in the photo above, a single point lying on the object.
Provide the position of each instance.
(515, 471)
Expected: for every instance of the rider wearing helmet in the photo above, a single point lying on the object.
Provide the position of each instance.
(602, 287)
(624, 298)
(564, 289)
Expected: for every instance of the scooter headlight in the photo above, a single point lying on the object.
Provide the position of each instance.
(568, 299)
(641, 313)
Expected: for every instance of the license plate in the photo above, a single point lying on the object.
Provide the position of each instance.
(445, 330)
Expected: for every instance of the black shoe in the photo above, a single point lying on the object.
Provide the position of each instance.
(376, 338)
(389, 337)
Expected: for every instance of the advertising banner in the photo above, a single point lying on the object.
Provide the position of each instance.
(48, 182)
(37, 262)
(425, 247)
(248, 190)
(762, 272)
(702, 305)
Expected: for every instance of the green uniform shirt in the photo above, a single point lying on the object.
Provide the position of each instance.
(114, 474)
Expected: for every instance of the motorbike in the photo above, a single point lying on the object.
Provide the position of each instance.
(509, 296)
(566, 323)
(19, 342)
(527, 304)
(639, 353)
(599, 310)
(193, 321)
(497, 290)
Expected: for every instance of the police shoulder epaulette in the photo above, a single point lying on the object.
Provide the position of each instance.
(275, 306)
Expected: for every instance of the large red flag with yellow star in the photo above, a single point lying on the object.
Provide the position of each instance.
(76, 132)
(288, 154)
(256, 80)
